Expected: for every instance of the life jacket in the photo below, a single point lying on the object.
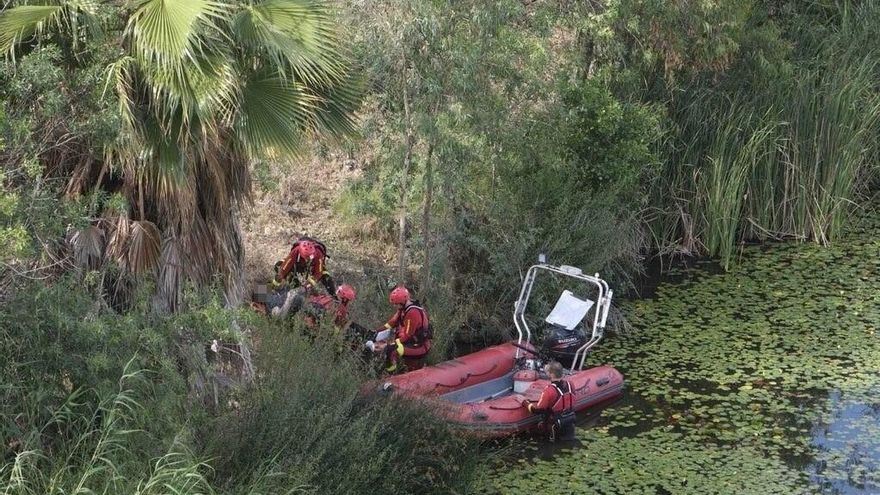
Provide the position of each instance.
(563, 421)
(426, 331)
(567, 398)
(322, 302)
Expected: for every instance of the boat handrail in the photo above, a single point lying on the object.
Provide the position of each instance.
(600, 315)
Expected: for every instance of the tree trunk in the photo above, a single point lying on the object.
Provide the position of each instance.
(167, 296)
(141, 198)
(407, 164)
(426, 220)
(234, 288)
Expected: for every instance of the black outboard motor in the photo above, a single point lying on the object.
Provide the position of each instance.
(562, 344)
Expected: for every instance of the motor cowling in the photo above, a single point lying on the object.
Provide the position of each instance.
(562, 344)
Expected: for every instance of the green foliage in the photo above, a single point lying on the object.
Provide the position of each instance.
(61, 339)
(92, 452)
(308, 425)
(788, 161)
(14, 240)
(124, 403)
(523, 159)
(678, 40)
(610, 143)
(91, 396)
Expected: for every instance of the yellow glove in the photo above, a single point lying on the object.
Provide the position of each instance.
(275, 284)
(399, 346)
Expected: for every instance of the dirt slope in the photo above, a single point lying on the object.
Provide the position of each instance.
(302, 203)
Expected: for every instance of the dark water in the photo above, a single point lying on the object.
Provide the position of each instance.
(851, 438)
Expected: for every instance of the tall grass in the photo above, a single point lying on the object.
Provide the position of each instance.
(740, 146)
(788, 161)
(308, 426)
(88, 452)
(75, 419)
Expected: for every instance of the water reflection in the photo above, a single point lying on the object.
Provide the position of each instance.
(848, 447)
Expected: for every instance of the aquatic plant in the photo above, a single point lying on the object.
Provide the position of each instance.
(763, 379)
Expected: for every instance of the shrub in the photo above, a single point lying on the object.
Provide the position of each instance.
(307, 425)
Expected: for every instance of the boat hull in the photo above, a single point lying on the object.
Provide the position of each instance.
(476, 392)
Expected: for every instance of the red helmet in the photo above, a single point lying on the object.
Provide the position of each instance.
(399, 295)
(346, 292)
(307, 249)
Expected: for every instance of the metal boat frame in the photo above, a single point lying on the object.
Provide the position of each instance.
(600, 313)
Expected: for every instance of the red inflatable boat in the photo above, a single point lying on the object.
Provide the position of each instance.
(483, 392)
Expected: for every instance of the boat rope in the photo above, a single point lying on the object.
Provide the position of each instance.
(466, 377)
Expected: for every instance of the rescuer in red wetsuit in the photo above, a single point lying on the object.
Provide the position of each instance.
(556, 404)
(307, 257)
(323, 303)
(412, 332)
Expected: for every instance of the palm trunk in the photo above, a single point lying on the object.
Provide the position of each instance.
(167, 295)
(234, 290)
(141, 197)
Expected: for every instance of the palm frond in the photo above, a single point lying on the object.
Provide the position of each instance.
(89, 6)
(88, 247)
(166, 32)
(337, 103)
(143, 246)
(80, 14)
(117, 246)
(171, 39)
(273, 114)
(167, 169)
(119, 74)
(295, 34)
(214, 88)
(19, 23)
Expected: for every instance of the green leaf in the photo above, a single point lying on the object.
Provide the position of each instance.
(298, 35)
(18, 23)
(273, 114)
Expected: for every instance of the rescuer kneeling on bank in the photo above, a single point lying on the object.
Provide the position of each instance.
(412, 332)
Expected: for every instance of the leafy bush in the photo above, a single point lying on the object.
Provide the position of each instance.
(307, 425)
(610, 145)
(125, 403)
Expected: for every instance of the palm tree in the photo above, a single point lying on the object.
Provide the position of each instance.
(201, 88)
